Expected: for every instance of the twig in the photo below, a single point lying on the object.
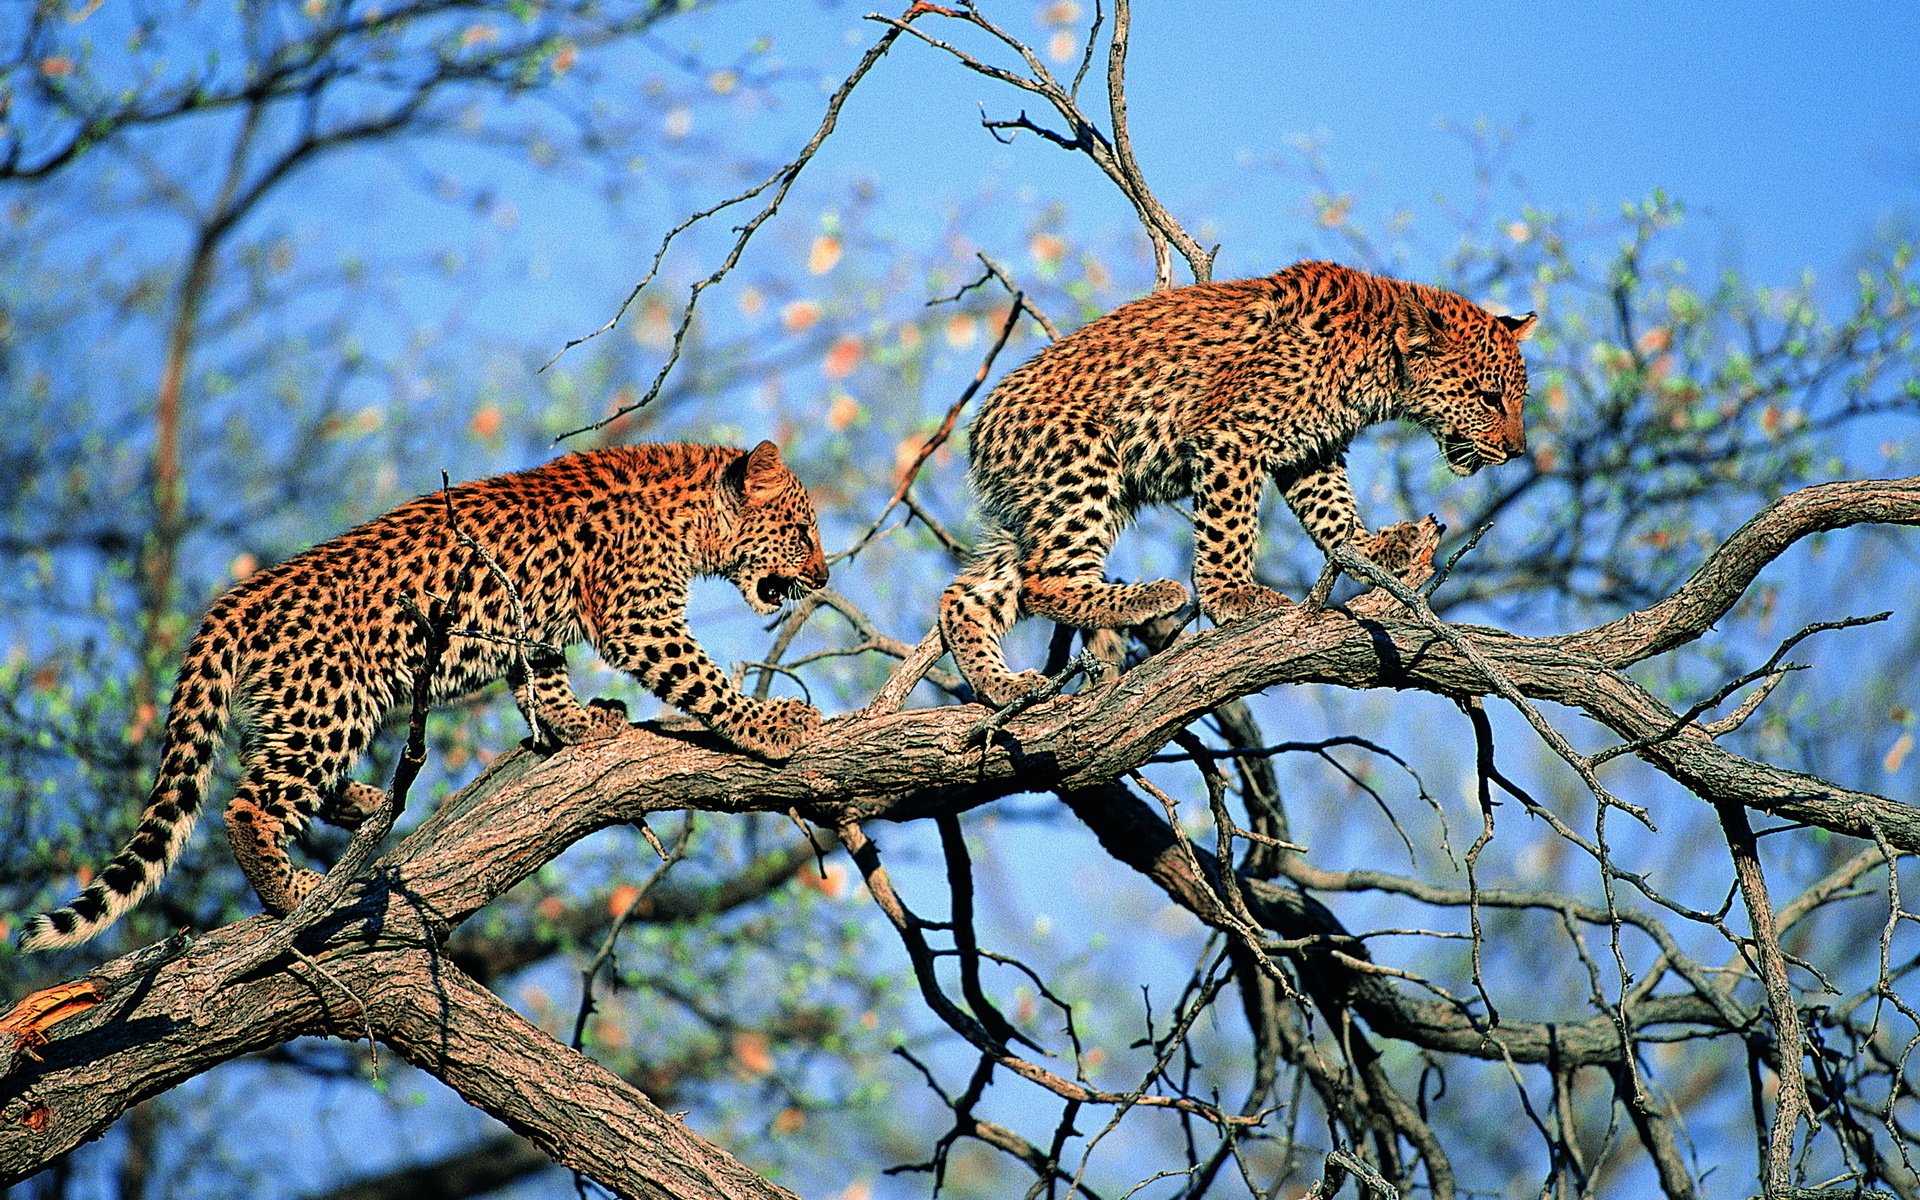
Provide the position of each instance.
(1354, 563)
(1040, 693)
(939, 436)
(591, 971)
(1772, 670)
(781, 181)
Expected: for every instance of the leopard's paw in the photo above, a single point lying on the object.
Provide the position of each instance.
(606, 717)
(594, 721)
(1405, 550)
(1014, 687)
(1228, 604)
(774, 729)
(1153, 601)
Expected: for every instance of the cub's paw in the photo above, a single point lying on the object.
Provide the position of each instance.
(299, 886)
(594, 721)
(604, 718)
(1013, 687)
(1405, 550)
(1228, 604)
(1161, 598)
(352, 805)
(775, 728)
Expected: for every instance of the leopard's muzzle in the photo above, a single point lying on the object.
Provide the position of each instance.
(774, 589)
(777, 589)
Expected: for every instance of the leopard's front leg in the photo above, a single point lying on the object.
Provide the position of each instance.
(1323, 500)
(541, 689)
(643, 631)
(1226, 532)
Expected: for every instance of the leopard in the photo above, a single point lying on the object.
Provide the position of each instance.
(1205, 392)
(306, 658)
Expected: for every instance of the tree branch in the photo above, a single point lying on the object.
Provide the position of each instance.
(166, 1014)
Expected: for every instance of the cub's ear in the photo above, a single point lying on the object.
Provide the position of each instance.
(1521, 327)
(1417, 329)
(754, 473)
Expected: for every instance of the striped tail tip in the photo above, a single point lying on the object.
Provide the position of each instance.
(81, 921)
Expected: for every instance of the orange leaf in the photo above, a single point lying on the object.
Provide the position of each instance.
(1902, 746)
(842, 412)
(789, 1120)
(832, 885)
(824, 255)
(843, 358)
(750, 1050)
(800, 315)
(622, 900)
(486, 422)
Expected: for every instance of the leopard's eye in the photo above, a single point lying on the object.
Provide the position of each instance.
(1493, 400)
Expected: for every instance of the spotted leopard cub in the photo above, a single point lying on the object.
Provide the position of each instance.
(1207, 391)
(308, 656)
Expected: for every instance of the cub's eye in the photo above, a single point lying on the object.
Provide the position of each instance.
(1493, 400)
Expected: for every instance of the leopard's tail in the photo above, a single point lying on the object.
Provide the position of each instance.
(195, 720)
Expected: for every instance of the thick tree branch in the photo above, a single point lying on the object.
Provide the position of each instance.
(375, 964)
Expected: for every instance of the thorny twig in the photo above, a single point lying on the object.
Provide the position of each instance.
(1112, 154)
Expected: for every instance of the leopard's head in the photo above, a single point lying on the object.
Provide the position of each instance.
(776, 553)
(1462, 377)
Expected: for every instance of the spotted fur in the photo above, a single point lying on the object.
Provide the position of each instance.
(308, 656)
(1207, 391)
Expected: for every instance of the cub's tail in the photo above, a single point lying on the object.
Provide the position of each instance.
(195, 720)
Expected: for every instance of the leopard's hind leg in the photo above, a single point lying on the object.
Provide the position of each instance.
(269, 808)
(293, 767)
(976, 611)
(1063, 556)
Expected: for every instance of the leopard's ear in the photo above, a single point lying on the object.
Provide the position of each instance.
(762, 458)
(753, 474)
(1417, 329)
(1521, 327)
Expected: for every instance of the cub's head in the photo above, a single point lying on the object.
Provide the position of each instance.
(1462, 376)
(776, 553)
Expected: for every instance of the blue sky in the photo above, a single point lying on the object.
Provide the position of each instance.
(1788, 131)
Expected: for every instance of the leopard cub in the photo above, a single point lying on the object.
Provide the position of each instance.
(1206, 392)
(306, 657)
